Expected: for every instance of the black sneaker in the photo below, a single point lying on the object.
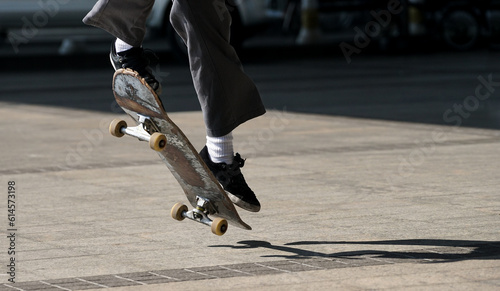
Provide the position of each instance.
(231, 179)
(136, 59)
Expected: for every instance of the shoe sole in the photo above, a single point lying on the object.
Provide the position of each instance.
(112, 62)
(242, 204)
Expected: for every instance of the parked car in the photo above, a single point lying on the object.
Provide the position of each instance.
(459, 24)
(21, 20)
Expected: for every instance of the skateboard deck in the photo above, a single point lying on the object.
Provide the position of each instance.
(200, 186)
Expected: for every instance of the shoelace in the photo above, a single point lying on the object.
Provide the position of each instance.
(239, 161)
(230, 173)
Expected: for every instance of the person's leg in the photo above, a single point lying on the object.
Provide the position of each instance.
(232, 180)
(122, 46)
(126, 20)
(220, 148)
(228, 97)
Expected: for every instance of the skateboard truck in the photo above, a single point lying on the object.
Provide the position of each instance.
(147, 124)
(200, 214)
(145, 131)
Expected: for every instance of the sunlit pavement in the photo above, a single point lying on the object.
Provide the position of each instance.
(378, 174)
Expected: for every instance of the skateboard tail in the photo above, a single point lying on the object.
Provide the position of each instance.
(193, 187)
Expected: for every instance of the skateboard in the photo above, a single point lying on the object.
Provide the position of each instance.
(203, 191)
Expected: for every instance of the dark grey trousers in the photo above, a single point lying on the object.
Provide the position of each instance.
(228, 97)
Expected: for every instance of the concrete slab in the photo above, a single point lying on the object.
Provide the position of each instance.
(347, 203)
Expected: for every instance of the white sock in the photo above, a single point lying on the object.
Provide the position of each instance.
(121, 46)
(220, 149)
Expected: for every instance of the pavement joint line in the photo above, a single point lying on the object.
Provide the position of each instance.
(380, 260)
(55, 169)
(130, 280)
(13, 287)
(200, 273)
(336, 261)
(307, 265)
(273, 268)
(163, 276)
(53, 285)
(93, 283)
(238, 271)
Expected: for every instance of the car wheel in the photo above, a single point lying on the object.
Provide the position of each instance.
(460, 30)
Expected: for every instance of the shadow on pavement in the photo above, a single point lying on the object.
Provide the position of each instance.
(444, 251)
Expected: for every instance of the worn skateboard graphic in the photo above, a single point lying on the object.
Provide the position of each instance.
(202, 189)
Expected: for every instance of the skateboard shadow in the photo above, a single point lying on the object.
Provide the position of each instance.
(444, 251)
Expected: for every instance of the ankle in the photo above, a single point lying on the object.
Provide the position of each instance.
(121, 46)
(220, 149)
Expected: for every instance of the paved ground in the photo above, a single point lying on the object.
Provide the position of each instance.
(348, 203)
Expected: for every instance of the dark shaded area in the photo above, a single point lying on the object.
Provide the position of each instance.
(261, 54)
(254, 55)
(445, 251)
(420, 84)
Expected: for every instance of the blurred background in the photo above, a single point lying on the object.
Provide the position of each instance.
(408, 60)
(457, 25)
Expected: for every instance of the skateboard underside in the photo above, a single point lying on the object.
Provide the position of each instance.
(201, 188)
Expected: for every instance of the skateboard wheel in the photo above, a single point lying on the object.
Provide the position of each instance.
(219, 226)
(178, 210)
(115, 128)
(158, 141)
